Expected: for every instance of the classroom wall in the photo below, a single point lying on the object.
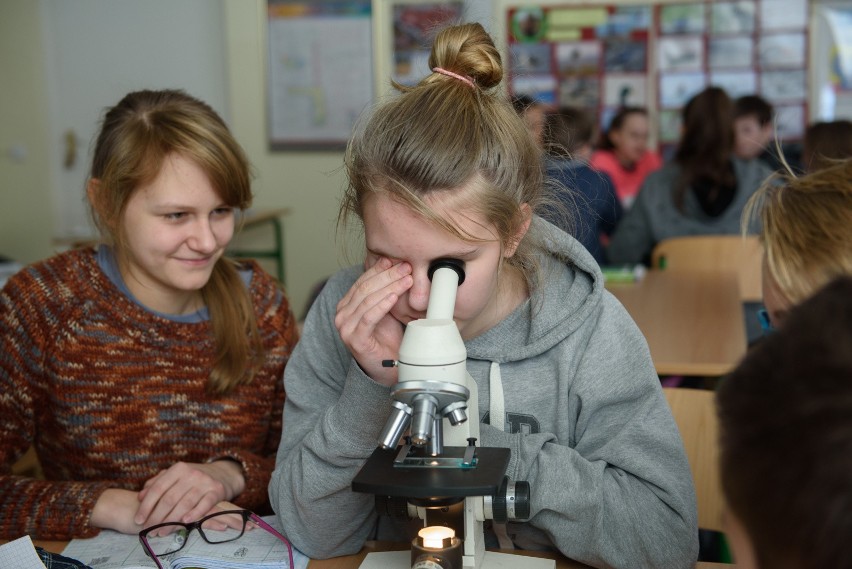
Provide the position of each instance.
(309, 183)
(25, 198)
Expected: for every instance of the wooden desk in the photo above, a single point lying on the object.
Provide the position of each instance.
(693, 321)
(353, 561)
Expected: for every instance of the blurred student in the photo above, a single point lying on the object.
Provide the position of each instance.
(564, 375)
(533, 113)
(146, 372)
(589, 193)
(702, 191)
(785, 418)
(825, 143)
(623, 153)
(806, 231)
(754, 130)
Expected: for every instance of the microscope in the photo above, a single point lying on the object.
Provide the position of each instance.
(428, 465)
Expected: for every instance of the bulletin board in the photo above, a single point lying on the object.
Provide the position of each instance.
(415, 25)
(317, 88)
(601, 57)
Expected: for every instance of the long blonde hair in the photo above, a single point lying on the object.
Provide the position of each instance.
(806, 228)
(136, 137)
(452, 130)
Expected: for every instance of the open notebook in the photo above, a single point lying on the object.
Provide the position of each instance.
(256, 549)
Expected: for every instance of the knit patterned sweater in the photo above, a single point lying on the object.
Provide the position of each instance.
(110, 394)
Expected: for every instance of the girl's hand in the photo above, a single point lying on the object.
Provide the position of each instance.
(115, 510)
(364, 321)
(186, 492)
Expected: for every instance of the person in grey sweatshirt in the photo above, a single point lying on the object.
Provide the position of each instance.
(565, 379)
(701, 192)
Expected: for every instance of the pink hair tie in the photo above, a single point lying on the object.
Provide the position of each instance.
(464, 78)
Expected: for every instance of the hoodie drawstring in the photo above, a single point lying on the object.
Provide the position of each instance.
(497, 414)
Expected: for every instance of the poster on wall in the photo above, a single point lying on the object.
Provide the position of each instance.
(414, 28)
(754, 47)
(659, 56)
(307, 106)
(593, 58)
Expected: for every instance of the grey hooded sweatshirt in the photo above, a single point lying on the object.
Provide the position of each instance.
(582, 413)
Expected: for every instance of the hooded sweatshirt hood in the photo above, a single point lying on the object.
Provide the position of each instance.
(571, 292)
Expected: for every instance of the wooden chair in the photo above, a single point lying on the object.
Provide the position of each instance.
(694, 412)
(715, 253)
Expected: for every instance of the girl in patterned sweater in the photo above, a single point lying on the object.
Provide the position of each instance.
(147, 373)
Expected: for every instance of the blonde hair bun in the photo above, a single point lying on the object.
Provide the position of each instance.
(468, 50)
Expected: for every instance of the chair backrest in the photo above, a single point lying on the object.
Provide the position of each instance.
(694, 411)
(715, 253)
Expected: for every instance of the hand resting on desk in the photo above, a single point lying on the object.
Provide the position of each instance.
(183, 492)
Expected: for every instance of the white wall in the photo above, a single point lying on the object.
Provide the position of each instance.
(25, 198)
(308, 183)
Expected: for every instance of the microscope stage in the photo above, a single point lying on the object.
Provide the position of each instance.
(380, 475)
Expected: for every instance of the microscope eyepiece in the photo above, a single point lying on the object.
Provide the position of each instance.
(448, 263)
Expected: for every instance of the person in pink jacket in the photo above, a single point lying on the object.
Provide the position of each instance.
(624, 155)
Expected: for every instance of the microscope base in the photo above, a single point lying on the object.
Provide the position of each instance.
(492, 560)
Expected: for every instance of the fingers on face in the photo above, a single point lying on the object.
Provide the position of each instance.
(372, 296)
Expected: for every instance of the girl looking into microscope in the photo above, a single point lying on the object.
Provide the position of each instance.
(447, 170)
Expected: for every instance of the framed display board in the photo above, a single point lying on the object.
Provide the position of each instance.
(317, 88)
(658, 55)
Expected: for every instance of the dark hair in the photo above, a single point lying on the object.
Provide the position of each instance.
(785, 417)
(825, 143)
(522, 102)
(617, 122)
(754, 106)
(137, 135)
(705, 147)
(567, 129)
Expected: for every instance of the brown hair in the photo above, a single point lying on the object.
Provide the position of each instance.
(617, 123)
(805, 230)
(568, 129)
(444, 134)
(785, 417)
(705, 147)
(754, 106)
(825, 143)
(136, 137)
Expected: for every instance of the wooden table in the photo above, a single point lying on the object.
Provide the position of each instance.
(693, 321)
(353, 561)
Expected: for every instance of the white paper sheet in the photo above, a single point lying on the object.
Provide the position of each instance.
(20, 554)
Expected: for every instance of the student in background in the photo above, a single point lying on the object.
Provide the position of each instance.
(146, 372)
(623, 153)
(447, 170)
(568, 142)
(825, 143)
(701, 191)
(533, 113)
(806, 231)
(754, 130)
(785, 418)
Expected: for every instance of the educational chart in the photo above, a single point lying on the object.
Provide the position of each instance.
(602, 57)
(414, 30)
(317, 88)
